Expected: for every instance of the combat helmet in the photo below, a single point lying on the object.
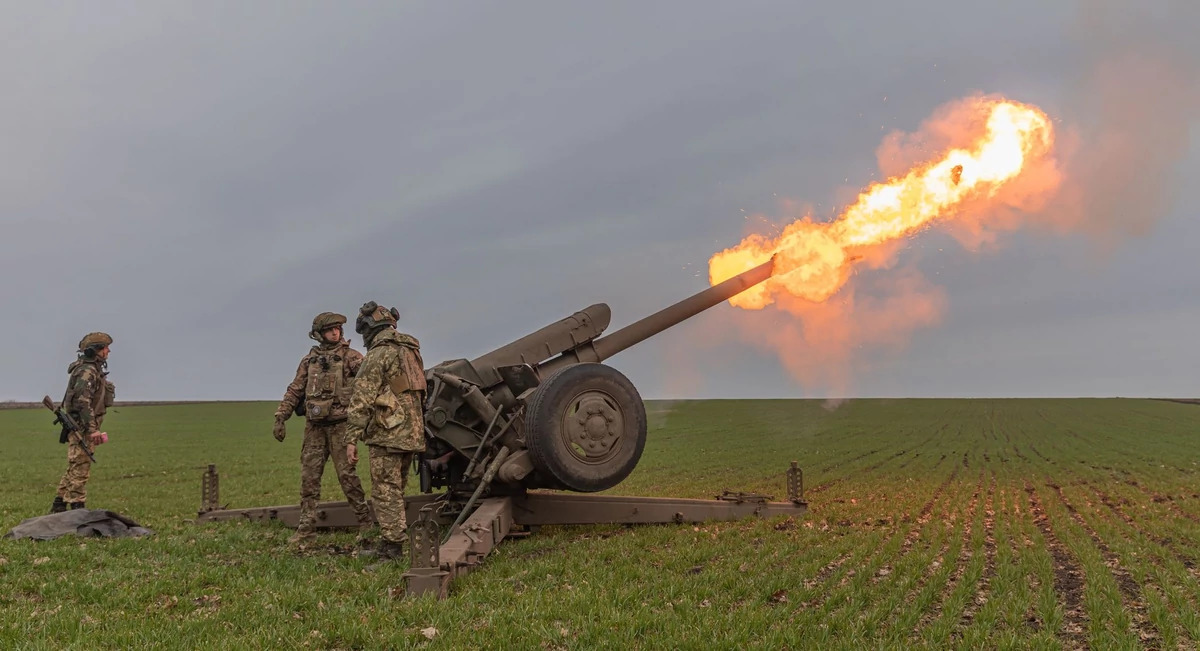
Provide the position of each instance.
(373, 315)
(325, 321)
(94, 342)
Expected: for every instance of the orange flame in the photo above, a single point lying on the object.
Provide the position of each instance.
(814, 259)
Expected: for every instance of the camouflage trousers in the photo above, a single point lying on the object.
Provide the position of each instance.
(389, 479)
(321, 442)
(73, 485)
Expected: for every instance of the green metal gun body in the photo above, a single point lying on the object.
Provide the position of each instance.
(69, 425)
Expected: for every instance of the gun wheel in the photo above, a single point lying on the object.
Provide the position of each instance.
(587, 427)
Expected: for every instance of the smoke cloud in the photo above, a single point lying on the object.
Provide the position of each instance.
(1130, 116)
(819, 343)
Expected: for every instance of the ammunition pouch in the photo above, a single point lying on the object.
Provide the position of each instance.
(389, 411)
(110, 393)
(319, 410)
(299, 410)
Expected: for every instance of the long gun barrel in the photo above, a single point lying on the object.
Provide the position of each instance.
(642, 330)
(639, 331)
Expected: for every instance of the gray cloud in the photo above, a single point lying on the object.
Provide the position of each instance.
(200, 180)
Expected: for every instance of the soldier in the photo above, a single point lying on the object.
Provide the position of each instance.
(320, 391)
(386, 413)
(89, 394)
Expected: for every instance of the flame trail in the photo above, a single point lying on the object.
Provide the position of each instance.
(814, 259)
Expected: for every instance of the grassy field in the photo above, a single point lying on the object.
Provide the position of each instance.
(933, 524)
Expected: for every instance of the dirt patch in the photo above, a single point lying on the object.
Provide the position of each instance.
(826, 572)
(829, 572)
(983, 590)
(924, 517)
(926, 513)
(960, 568)
(1131, 592)
(1116, 506)
(1068, 578)
(1167, 500)
(1033, 620)
(935, 565)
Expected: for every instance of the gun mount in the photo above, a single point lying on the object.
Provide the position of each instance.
(567, 421)
(542, 412)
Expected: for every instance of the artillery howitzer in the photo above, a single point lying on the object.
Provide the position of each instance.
(542, 412)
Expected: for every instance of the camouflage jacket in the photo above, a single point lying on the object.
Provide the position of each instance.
(89, 394)
(386, 408)
(322, 383)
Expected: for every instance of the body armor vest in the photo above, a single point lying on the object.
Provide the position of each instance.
(103, 394)
(100, 394)
(327, 393)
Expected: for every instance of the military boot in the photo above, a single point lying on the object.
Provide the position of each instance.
(59, 505)
(302, 537)
(77, 505)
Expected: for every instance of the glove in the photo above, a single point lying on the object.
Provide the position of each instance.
(280, 429)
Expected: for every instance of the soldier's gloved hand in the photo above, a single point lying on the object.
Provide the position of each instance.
(280, 429)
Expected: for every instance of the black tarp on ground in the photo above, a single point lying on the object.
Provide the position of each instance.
(87, 523)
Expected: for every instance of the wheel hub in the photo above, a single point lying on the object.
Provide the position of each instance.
(593, 426)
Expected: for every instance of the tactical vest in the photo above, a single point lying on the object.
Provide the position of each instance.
(327, 393)
(102, 397)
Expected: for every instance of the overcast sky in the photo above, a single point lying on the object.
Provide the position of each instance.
(201, 179)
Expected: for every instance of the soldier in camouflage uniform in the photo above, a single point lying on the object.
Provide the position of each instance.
(321, 391)
(386, 413)
(88, 396)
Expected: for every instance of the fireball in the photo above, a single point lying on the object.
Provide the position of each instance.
(814, 260)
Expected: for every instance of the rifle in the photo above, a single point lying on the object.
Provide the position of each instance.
(69, 425)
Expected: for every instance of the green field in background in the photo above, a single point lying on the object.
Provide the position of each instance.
(932, 524)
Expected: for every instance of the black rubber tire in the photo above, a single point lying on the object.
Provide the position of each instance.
(546, 434)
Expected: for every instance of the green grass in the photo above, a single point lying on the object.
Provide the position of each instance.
(933, 524)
